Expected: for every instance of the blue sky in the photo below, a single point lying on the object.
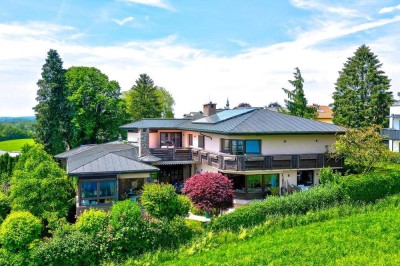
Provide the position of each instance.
(197, 50)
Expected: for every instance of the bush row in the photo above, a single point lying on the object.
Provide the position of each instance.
(352, 188)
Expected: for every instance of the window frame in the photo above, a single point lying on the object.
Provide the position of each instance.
(259, 146)
(190, 136)
(97, 197)
(175, 144)
(201, 144)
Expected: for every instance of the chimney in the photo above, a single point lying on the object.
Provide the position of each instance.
(209, 109)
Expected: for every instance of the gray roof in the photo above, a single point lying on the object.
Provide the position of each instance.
(155, 123)
(105, 158)
(149, 159)
(255, 121)
(71, 152)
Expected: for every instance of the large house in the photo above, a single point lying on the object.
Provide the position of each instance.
(261, 151)
(392, 134)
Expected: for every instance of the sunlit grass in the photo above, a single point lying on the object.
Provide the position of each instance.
(15, 144)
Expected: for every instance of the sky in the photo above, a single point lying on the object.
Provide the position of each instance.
(200, 51)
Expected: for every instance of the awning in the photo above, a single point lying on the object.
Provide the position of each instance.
(174, 162)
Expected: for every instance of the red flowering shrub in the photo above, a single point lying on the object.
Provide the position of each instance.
(209, 191)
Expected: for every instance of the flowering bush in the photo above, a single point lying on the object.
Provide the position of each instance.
(209, 191)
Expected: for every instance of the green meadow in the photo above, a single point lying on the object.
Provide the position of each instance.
(15, 144)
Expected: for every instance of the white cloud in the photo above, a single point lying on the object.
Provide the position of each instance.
(307, 4)
(123, 21)
(154, 3)
(389, 9)
(241, 43)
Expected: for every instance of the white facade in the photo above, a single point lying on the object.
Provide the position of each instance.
(394, 124)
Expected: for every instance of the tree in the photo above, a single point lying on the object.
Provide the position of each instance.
(209, 191)
(97, 110)
(166, 101)
(362, 96)
(161, 201)
(52, 112)
(361, 148)
(40, 186)
(142, 99)
(297, 102)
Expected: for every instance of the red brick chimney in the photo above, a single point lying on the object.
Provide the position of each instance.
(209, 109)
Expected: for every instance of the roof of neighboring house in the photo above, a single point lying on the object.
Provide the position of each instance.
(156, 123)
(71, 152)
(252, 121)
(105, 158)
(324, 112)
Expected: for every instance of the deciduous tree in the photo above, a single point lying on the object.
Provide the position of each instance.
(362, 97)
(296, 103)
(52, 112)
(166, 101)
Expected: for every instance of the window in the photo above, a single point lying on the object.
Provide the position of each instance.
(97, 192)
(305, 178)
(201, 141)
(171, 139)
(225, 146)
(253, 146)
(237, 147)
(190, 139)
(254, 183)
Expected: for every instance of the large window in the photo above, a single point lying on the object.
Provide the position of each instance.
(97, 192)
(201, 141)
(305, 178)
(168, 139)
(190, 139)
(239, 147)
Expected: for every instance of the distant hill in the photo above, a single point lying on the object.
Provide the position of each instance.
(16, 119)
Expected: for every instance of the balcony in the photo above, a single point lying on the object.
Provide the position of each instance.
(265, 162)
(392, 134)
(172, 154)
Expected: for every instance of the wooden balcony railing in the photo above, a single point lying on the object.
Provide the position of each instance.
(173, 154)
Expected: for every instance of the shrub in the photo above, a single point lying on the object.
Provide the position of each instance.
(210, 191)
(161, 201)
(5, 207)
(125, 214)
(258, 212)
(92, 222)
(69, 248)
(327, 175)
(18, 230)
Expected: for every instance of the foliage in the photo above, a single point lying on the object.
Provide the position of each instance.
(40, 186)
(52, 111)
(362, 97)
(209, 191)
(5, 205)
(21, 129)
(166, 101)
(15, 144)
(328, 175)
(92, 222)
(7, 164)
(296, 103)
(71, 248)
(361, 148)
(125, 214)
(161, 201)
(97, 110)
(18, 230)
(142, 100)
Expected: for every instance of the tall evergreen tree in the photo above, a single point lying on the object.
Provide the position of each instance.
(97, 109)
(52, 113)
(142, 99)
(362, 96)
(296, 103)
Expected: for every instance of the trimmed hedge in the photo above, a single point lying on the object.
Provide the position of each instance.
(363, 188)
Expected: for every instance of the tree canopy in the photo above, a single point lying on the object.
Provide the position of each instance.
(97, 110)
(296, 103)
(39, 185)
(362, 97)
(166, 101)
(52, 112)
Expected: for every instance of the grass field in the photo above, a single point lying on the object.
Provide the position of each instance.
(15, 144)
(362, 236)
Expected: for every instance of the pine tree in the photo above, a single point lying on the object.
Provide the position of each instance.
(52, 115)
(142, 100)
(362, 96)
(297, 102)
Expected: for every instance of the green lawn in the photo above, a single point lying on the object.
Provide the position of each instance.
(371, 238)
(15, 144)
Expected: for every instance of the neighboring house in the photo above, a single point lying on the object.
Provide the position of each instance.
(392, 134)
(106, 173)
(261, 151)
(325, 113)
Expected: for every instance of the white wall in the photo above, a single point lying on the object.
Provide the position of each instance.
(133, 137)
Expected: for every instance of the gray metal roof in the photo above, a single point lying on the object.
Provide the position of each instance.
(155, 123)
(71, 152)
(105, 158)
(256, 121)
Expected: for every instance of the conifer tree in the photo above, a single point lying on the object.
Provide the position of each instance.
(296, 103)
(52, 113)
(362, 96)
